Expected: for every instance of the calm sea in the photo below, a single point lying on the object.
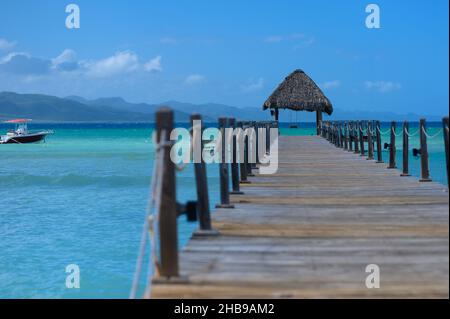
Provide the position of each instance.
(80, 198)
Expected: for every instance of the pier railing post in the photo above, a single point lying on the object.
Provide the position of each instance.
(223, 168)
(405, 166)
(369, 141)
(355, 136)
(234, 163)
(350, 136)
(243, 164)
(249, 149)
(345, 135)
(361, 138)
(392, 149)
(379, 148)
(424, 169)
(168, 266)
(445, 131)
(201, 180)
(341, 141)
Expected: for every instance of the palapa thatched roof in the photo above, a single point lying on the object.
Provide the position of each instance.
(298, 92)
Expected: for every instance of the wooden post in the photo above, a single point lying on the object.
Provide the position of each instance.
(341, 142)
(355, 136)
(361, 138)
(405, 166)
(223, 169)
(234, 163)
(276, 114)
(256, 126)
(318, 121)
(243, 165)
(350, 137)
(369, 141)
(248, 154)
(203, 212)
(379, 149)
(392, 149)
(168, 240)
(346, 135)
(446, 129)
(424, 169)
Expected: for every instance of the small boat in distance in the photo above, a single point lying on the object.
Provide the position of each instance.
(21, 135)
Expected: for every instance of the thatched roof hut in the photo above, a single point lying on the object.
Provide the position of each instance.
(298, 92)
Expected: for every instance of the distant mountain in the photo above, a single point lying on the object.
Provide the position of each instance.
(41, 107)
(119, 103)
(115, 109)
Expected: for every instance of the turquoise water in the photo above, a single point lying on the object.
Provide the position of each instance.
(81, 197)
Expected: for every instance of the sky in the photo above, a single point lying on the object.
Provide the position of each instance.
(232, 52)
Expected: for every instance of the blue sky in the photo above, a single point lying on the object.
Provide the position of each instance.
(231, 52)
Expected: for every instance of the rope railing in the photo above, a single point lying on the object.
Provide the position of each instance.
(361, 133)
(431, 136)
(383, 132)
(160, 223)
(155, 190)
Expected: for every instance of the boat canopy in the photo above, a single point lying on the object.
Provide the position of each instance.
(18, 121)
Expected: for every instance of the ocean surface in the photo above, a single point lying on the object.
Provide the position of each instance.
(80, 198)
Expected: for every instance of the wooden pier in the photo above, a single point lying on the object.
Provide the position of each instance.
(311, 229)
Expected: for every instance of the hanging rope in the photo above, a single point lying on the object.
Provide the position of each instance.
(396, 135)
(155, 185)
(431, 136)
(383, 132)
(411, 134)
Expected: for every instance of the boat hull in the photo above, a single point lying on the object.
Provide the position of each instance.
(31, 138)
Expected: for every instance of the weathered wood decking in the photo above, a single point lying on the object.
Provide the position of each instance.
(310, 230)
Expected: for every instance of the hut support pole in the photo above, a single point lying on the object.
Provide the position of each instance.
(405, 168)
(318, 121)
(392, 148)
(424, 169)
(446, 129)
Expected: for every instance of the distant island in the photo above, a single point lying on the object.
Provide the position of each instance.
(47, 108)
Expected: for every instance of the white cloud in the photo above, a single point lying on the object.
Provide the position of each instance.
(331, 84)
(66, 61)
(24, 64)
(382, 86)
(67, 55)
(194, 79)
(21, 63)
(6, 45)
(253, 85)
(153, 65)
(121, 62)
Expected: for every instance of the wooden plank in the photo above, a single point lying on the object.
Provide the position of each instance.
(310, 230)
